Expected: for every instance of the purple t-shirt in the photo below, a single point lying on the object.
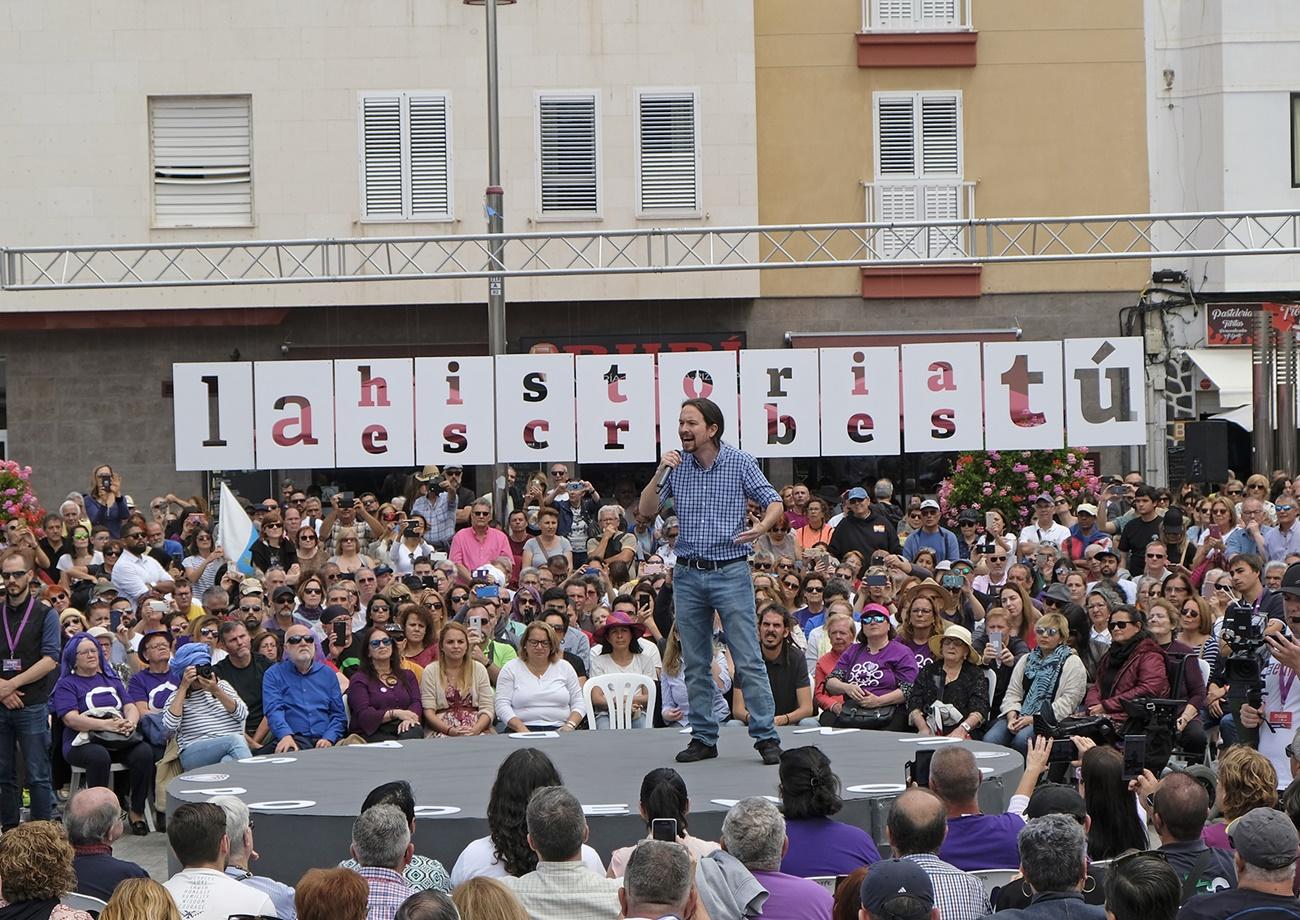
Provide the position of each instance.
(820, 846)
(921, 650)
(74, 692)
(877, 672)
(792, 898)
(150, 688)
(982, 842)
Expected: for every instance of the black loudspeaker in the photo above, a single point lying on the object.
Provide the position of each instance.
(1206, 451)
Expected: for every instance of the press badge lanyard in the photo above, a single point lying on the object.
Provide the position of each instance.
(13, 663)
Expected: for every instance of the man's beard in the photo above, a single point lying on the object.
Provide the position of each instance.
(136, 550)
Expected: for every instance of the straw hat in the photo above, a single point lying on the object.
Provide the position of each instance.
(943, 598)
(961, 634)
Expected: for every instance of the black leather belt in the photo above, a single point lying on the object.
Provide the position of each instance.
(709, 565)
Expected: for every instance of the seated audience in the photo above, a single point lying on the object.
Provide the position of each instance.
(561, 886)
(331, 894)
(505, 851)
(239, 831)
(479, 897)
(1144, 887)
(36, 872)
(381, 845)
(917, 825)
(1180, 808)
(1266, 842)
(974, 840)
(1052, 676)
(455, 692)
(874, 673)
(787, 672)
(619, 646)
(663, 796)
(1246, 780)
(951, 693)
(898, 889)
(244, 668)
(383, 696)
(421, 873)
(196, 833)
(659, 882)
(754, 833)
(205, 712)
(92, 820)
(840, 629)
(1115, 827)
(1133, 667)
(139, 899)
(1054, 863)
(810, 794)
(539, 691)
(675, 706)
(303, 702)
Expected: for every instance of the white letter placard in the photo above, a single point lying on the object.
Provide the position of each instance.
(942, 393)
(455, 411)
(616, 408)
(1105, 403)
(778, 402)
(691, 374)
(1022, 396)
(212, 405)
(535, 408)
(861, 414)
(374, 412)
(294, 403)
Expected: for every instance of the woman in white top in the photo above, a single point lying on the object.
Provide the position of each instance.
(617, 648)
(505, 851)
(539, 691)
(410, 547)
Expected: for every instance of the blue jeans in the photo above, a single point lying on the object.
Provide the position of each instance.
(26, 729)
(214, 750)
(696, 595)
(1000, 734)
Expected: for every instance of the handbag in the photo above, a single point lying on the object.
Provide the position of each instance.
(116, 741)
(855, 715)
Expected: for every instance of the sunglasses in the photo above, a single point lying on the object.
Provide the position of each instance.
(306, 536)
(1284, 507)
(760, 566)
(1234, 492)
(1156, 556)
(1046, 631)
(296, 640)
(875, 618)
(1120, 624)
(208, 632)
(311, 590)
(244, 609)
(813, 589)
(380, 643)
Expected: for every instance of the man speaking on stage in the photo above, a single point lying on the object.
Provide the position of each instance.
(709, 482)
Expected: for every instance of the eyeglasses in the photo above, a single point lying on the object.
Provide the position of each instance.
(380, 643)
(856, 501)
(539, 643)
(273, 525)
(1222, 511)
(1191, 612)
(296, 640)
(1257, 486)
(57, 597)
(785, 566)
(306, 536)
(1046, 631)
(1120, 624)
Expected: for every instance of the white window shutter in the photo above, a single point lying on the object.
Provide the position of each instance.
(430, 157)
(568, 154)
(381, 152)
(896, 137)
(940, 135)
(669, 163)
(893, 14)
(936, 13)
(202, 161)
(894, 203)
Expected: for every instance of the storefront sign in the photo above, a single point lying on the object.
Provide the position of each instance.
(537, 408)
(1234, 323)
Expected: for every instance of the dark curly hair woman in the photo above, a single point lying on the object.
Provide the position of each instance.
(810, 794)
(505, 850)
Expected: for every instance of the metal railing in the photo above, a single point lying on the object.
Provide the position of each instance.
(931, 201)
(916, 16)
(658, 250)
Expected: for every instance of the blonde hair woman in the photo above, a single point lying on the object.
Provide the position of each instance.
(675, 705)
(140, 899)
(455, 690)
(484, 898)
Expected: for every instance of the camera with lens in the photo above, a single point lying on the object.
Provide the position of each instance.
(1244, 635)
(203, 671)
(438, 485)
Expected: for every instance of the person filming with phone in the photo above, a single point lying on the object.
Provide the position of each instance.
(481, 621)
(204, 711)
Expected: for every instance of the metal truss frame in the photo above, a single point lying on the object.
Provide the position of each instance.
(653, 250)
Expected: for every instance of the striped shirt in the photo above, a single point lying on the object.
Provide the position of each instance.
(710, 503)
(202, 716)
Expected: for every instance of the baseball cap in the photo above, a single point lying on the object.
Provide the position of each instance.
(250, 586)
(1045, 497)
(1056, 799)
(453, 466)
(898, 888)
(944, 566)
(1085, 508)
(1173, 520)
(103, 588)
(283, 593)
(1291, 580)
(929, 503)
(382, 570)
(333, 612)
(1097, 550)
(1057, 592)
(1265, 838)
(968, 517)
(855, 493)
(97, 632)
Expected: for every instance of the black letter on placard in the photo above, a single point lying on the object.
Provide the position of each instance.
(534, 387)
(774, 377)
(1090, 407)
(214, 438)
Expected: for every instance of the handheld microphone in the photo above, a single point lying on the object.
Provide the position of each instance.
(662, 478)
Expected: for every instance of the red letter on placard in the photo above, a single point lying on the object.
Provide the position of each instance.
(860, 426)
(611, 433)
(942, 379)
(859, 375)
(775, 425)
(942, 425)
(697, 384)
(531, 438)
(374, 390)
(613, 378)
(279, 431)
(374, 438)
(1017, 379)
(453, 384)
(453, 438)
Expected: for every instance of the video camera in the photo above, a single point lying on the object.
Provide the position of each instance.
(1242, 671)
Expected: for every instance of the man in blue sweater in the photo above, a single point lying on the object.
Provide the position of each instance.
(301, 697)
(932, 536)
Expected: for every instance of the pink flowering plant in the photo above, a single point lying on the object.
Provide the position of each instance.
(17, 500)
(1008, 481)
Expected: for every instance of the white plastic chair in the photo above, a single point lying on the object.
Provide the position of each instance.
(826, 881)
(992, 677)
(83, 902)
(619, 689)
(993, 879)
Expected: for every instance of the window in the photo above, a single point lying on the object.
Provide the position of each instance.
(406, 156)
(919, 170)
(202, 161)
(916, 15)
(568, 155)
(1295, 140)
(667, 153)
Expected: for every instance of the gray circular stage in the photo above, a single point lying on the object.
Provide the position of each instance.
(304, 803)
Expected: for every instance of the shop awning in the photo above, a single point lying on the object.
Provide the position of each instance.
(1228, 369)
(1243, 416)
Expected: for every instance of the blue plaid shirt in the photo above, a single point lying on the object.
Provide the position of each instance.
(710, 503)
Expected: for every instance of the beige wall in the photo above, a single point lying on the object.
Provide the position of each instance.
(74, 138)
(1054, 124)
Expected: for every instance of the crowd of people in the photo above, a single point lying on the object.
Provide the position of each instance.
(417, 611)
